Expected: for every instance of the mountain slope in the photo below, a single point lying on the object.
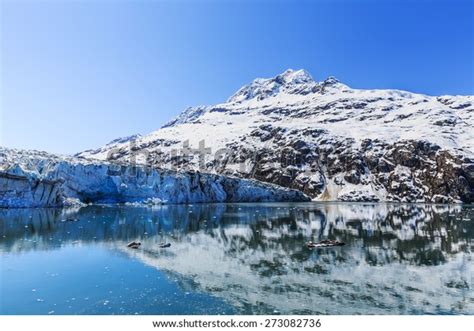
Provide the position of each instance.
(323, 138)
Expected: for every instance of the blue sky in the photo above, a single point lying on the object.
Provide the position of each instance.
(75, 75)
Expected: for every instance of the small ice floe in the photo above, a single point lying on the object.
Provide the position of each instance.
(70, 220)
(39, 300)
(165, 245)
(134, 245)
(51, 312)
(146, 202)
(325, 243)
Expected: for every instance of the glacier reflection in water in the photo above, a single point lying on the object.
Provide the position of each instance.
(243, 258)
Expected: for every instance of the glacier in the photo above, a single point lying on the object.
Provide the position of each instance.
(40, 179)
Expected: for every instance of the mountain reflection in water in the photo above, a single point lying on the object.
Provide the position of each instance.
(398, 259)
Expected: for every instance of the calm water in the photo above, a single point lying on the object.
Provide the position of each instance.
(238, 259)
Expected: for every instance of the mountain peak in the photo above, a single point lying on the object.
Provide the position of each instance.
(291, 81)
(300, 76)
(331, 80)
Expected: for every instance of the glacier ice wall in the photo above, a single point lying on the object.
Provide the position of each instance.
(38, 179)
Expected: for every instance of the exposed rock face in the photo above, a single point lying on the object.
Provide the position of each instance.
(37, 179)
(408, 171)
(330, 141)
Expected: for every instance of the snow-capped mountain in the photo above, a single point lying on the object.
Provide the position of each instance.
(324, 138)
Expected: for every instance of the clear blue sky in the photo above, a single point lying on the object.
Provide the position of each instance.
(75, 75)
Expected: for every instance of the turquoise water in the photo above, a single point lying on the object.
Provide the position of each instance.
(238, 259)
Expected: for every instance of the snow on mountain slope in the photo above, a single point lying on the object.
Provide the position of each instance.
(323, 138)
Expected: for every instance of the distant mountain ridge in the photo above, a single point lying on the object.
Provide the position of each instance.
(323, 138)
